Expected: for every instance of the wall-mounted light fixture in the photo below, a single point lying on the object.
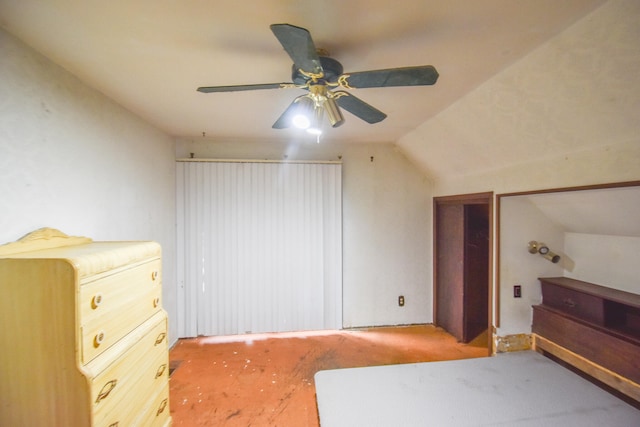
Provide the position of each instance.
(542, 249)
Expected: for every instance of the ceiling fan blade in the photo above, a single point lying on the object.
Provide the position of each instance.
(359, 108)
(209, 89)
(299, 45)
(406, 76)
(284, 120)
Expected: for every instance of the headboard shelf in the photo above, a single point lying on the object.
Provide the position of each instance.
(600, 324)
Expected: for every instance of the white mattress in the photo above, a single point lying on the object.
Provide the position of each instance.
(510, 389)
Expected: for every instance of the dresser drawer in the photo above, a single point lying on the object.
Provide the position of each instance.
(575, 303)
(120, 391)
(157, 412)
(111, 306)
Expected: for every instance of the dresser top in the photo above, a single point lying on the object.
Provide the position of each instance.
(87, 257)
(603, 292)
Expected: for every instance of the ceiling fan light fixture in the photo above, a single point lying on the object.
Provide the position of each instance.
(315, 128)
(303, 113)
(301, 121)
(333, 112)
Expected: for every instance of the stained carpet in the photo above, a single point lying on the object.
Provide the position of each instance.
(267, 379)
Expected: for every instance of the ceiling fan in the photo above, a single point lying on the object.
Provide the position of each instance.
(313, 70)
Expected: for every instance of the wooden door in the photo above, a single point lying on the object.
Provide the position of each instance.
(461, 264)
(476, 271)
(449, 268)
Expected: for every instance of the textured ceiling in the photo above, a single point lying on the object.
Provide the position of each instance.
(611, 211)
(150, 56)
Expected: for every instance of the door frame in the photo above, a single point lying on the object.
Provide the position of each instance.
(467, 199)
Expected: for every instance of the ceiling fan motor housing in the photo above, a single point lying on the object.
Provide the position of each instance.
(331, 68)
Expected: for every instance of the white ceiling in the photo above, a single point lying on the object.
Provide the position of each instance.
(611, 211)
(150, 56)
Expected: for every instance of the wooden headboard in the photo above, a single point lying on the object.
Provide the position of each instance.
(593, 328)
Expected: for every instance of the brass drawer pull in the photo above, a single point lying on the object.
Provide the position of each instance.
(98, 339)
(163, 405)
(161, 337)
(116, 424)
(106, 389)
(161, 370)
(156, 302)
(154, 275)
(96, 301)
(569, 302)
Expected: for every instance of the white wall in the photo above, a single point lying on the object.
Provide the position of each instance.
(386, 224)
(612, 261)
(520, 222)
(73, 160)
(568, 114)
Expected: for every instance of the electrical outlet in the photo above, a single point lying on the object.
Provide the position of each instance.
(517, 291)
(401, 300)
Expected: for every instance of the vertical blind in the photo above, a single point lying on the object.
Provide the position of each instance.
(259, 247)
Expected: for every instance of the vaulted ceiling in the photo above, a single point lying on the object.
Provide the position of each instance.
(150, 56)
(605, 211)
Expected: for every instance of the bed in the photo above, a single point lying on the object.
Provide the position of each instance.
(511, 389)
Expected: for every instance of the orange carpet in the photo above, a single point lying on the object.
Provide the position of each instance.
(267, 380)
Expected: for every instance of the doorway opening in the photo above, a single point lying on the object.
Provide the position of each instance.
(462, 266)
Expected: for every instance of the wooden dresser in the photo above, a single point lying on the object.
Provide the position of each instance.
(83, 335)
(592, 327)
